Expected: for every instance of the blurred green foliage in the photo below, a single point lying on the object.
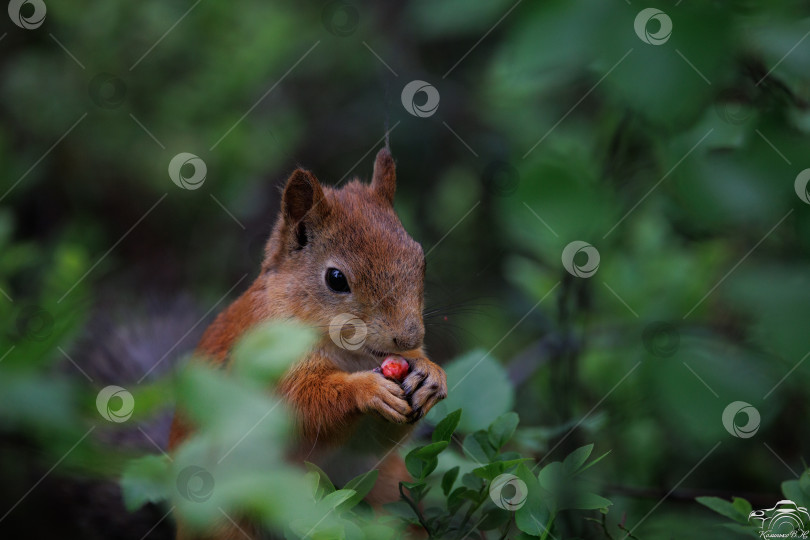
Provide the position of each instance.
(677, 162)
(233, 466)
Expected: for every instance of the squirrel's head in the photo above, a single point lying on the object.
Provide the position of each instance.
(347, 264)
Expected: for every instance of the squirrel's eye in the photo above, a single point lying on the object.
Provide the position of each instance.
(337, 281)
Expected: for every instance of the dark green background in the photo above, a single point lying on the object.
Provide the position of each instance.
(705, 154)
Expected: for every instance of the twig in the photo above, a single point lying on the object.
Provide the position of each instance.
(506, 530)
(416, 510)
(470, 511)
(629, 534)
(605, 528)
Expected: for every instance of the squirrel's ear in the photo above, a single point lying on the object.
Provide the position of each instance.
(303, 198)
(384, 181)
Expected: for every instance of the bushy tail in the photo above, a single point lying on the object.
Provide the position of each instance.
(127, 345)
(131, 345)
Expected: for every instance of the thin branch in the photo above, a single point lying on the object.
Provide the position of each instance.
(416, 510)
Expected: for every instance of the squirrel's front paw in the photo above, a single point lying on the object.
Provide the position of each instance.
(376, 393)
(424, 386)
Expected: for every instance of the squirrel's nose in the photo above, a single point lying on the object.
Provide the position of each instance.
(407, 343)
(411, 338)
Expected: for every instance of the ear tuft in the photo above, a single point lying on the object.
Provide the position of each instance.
(384, 180)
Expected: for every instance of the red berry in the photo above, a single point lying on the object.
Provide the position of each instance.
(395, 368)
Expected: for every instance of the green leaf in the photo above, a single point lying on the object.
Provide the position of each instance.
(414, 464)
(593, 462)
(420, 468)
(804, 483)
(585, 501)
(742, 506)
(145, 480)
(473, 482)
(336, 498)
(533, 516)
(552, 477)
(502, 429)
(725, 508)
(449, 479)
(225, 406)
(324, 486)
(576, 459)
(422, 461)
(792, 490)
(430, 450)
(417, 490)
(361, 485)
(491, 470)
(480, 386)
(478, 447)
(265, 353)
(456, 499)
(444, 429)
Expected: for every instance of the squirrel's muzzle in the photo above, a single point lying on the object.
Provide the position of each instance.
(410, 337)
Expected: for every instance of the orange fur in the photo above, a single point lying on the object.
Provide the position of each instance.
(349, 418)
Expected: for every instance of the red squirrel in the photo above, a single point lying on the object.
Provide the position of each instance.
(333, 252)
